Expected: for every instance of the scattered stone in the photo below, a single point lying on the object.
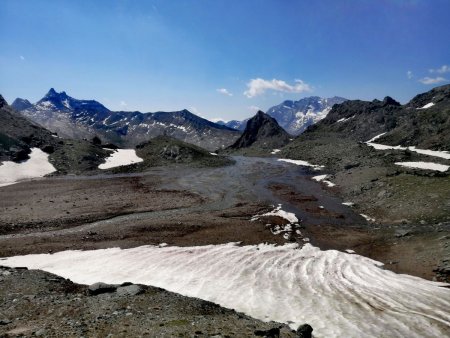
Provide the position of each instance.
(402, 233)
(130, 290)
(271, 333)
(4, 321)
(98, 288)
(305, 331)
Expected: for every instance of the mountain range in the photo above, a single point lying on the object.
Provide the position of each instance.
(295, 116)
(77, 119)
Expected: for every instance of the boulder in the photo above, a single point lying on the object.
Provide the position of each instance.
(98, 288)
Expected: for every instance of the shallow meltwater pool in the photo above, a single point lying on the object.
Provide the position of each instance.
(339, 294)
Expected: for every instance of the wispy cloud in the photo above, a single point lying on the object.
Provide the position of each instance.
(430, 80)
(123, 104)
(441, 70)
(224, 91)
(259, 86)
(254, 109)
(409, 74)
(22, 57)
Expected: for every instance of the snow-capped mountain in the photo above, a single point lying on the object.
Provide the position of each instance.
(73, 118)
(235, 124)
(296, 116)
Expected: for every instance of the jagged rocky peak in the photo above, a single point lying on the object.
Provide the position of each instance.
(2, 101)
(21, 104)
(262, 131)
(390, 101)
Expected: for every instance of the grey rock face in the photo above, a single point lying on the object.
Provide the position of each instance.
(77, 119)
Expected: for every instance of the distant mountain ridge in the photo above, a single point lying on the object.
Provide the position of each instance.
(295, 116)
(73, 118)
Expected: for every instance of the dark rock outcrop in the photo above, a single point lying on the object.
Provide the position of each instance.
(261, 133)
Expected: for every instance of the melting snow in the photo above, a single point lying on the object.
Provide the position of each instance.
(349, 204)
(119, 158)
(375, 137)
(289, 216)
(345, 119)
(424, 165)
(368, 218)
(302, 163)
(37, 166)
(435, 153)
(428, 105)
(275, 151)
(322, 178)
(339, 294)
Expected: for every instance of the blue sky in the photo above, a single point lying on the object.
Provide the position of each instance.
(222, 58)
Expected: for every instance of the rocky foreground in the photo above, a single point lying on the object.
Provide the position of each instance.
(37, 303)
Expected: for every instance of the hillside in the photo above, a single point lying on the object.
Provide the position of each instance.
(371, 177)
(18, 135)
(262, 134)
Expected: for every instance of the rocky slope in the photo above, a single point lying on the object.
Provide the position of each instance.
(18, 135)
(165, 150)
(36, 303)
(369, 177)
(262, 134)
(77, 119)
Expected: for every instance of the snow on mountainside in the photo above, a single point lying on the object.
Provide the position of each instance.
(72, 118)
(296, 116)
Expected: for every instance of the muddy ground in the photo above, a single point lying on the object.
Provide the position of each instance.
(183, 206)
(180, 206)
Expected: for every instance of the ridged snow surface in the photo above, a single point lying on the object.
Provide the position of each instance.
(36, 166)
(119, 158)
(339, 294)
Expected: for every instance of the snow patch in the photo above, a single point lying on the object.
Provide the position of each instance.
(428, 105)
(424, 165)
(289, 216)
(368, 218)
(214, 154)
(302, 163)
(322, 178)
(37, 166)
(339, 294)
(344, 119)
(273, 152)
(375, 137)
(349, 204)
(435, 153)
(120, 157)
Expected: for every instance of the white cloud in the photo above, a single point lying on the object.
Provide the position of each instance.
(217, 119)
(22, 57)
(430, 80)
(259, 86)
(442, 70)
(409, 74)
(123, 104)
(224, 91)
